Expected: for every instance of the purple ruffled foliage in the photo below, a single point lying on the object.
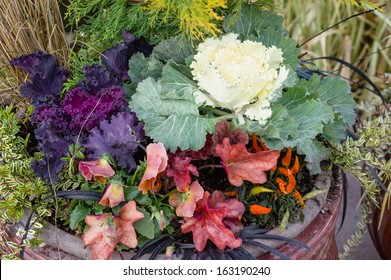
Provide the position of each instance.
(54, 148)
(116, 59)
(47, 77)
(96, 78)
(86, 111)
(118, 137)
(53, 115)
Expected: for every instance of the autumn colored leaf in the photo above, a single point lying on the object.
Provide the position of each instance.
(222, 130)
(207, 223)
(106, 231)
(241, 165)
(181, 169)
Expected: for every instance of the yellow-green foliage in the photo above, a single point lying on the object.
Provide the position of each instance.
(196, 18)
(370, 149)
(19, 186)
(362, 3)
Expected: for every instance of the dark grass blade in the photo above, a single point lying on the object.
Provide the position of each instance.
(251, 230)
(148, 246)
(240, 254)
(267, 248)
(345, 198)
(26, 229)
(215, 253)
(285, 239)
(84, 195)
(188, 254)
(160, 247)
(356, 70)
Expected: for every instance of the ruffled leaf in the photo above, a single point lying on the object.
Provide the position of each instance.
(118, 137)
(207, 223)
(241, 165)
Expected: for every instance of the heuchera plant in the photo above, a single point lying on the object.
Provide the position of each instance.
(209, 137)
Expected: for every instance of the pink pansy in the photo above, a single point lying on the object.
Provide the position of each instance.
(105, 232)
(180, 169)
(207, 223)
(96, 168)
(114, 195)
(185, 202)
(156, 163)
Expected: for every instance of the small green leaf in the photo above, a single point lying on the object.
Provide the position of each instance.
(143, 199)
(78, 214)
(145, 226)
(313, 194)
(131, 193)
(284, 221)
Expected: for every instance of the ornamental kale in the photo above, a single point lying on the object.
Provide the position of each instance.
(116, 59)
(47, 77)
(118, 137)
(86, 110)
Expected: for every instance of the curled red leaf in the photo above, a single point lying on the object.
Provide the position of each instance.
(241, 165)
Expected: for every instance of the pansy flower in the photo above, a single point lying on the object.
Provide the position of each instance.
(185, 202)
(113, 195)
(156, 163)
(99, 169)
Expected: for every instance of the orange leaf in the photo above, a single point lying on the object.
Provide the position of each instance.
(241, 165)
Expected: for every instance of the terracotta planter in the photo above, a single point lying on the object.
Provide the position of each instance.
(317, 231)
(381, 237)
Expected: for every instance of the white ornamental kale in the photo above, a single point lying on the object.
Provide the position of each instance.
(240, 76)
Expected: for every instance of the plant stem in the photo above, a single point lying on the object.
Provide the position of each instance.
(211, 166)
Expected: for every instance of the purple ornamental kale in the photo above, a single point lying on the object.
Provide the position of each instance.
(96, 77)
(53, 115)
(118, 137)
(116, 59)
(86, 111)
(54, 148)
(47, 77)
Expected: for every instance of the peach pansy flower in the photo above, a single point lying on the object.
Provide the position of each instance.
(156, 163)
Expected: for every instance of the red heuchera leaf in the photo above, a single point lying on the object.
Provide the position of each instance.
(156, 162)
(235, 210)
(207, 223)
(180, 169)
(106, 232)
(185, 202)
(241, 165)
(222, 130)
